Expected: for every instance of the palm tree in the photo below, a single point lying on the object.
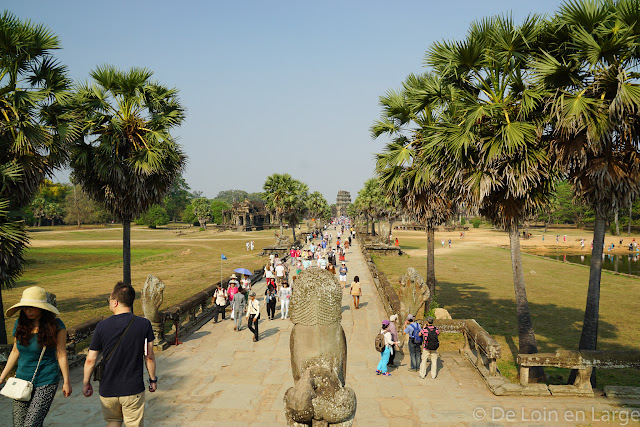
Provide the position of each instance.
(403, 169)
(590, 66)
(316, 205)
(13, 240)
(127, 158)
(369, 202)
(33, 139)
(286, 197)
(494, 143)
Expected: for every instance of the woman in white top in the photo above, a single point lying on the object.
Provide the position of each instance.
(253, 315)
(268, 275)
(285, 296)
(388, 348)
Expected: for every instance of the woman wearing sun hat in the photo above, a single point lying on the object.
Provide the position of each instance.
(37, 327)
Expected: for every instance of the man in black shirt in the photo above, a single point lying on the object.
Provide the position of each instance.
(125, 340)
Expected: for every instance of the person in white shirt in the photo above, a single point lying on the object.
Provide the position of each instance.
(268, 275)
(280, 273)
(285, 296)
(253, 315)
(220, 301)
(322, 262)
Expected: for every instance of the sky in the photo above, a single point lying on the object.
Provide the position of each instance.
(269, 86)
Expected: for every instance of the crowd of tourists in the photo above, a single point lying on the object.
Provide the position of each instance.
(422, 340)
(323, 249)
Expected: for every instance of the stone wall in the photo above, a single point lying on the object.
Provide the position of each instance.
(388, 295)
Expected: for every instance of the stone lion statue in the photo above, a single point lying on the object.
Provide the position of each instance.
(282, 240)
(414, 292)
(318, 354)
(152, 298)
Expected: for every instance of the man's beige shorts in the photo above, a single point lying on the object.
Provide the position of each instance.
(129, 409)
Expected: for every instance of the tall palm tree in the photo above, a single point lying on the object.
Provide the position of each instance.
(369, 202)
(403, 168)
(13, 239)
(33, 137)
(127, 158)
(286, 197)
(494, 143)
(316, 205)
(589, 64)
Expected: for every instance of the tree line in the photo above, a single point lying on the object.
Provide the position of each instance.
(511, 117)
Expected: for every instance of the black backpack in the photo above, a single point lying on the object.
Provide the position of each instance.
(432, 342)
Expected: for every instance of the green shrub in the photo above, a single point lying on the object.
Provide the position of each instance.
(154, 217)
(476, 222)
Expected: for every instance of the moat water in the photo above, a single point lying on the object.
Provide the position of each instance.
(628, 264)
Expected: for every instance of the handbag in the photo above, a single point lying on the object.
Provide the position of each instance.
(18, 389)
(98, 372)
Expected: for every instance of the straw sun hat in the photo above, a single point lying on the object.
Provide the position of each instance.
(34, 296)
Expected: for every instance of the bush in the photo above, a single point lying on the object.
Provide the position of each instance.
(463, 221)
(154, 217)
(476, 222)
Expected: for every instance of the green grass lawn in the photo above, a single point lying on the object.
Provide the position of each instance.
(476, 282)
(44, 262)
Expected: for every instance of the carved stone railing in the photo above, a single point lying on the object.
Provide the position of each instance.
(383, 249)
(487, 349)
(479, 346)
(77, 335)
(388, 295)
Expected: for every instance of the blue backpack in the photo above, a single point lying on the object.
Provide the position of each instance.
(417, 338)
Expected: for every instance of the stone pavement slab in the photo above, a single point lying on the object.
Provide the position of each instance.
(221, 377)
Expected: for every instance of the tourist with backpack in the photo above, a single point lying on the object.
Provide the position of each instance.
(430, 346)
(413, 328)
(384, 344)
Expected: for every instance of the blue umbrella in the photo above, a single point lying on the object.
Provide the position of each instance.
(243, 271)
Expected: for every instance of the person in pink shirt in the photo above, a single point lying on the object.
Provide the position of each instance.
(232, 289)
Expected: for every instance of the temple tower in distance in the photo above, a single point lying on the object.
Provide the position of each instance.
(343, 200)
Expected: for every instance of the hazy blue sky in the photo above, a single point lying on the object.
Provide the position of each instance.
(269, 86)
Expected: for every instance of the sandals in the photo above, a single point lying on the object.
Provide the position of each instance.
(386, 374)
(378, 372)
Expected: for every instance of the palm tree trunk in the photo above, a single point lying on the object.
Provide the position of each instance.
(379, 227)
(373, 227)
(431, 268)
(617, 222)
(589, 336)
(75, 202)
(630, 216)
(3, 330)
(293, 230)
(126, 252)
(526, 337)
